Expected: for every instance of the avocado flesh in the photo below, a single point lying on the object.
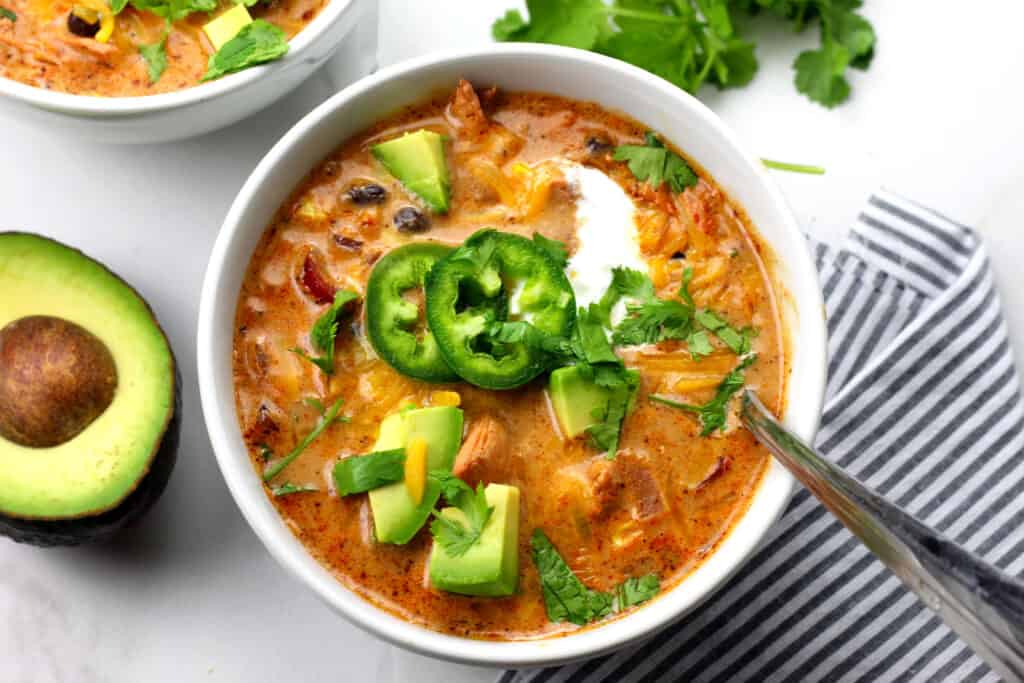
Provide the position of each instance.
(396, 518)
(417, 161)
(575, 400)
(102, 466)
(490, 567)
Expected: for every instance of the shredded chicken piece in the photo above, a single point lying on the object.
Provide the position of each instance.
(483, 452)
(624, 483)
(466, 112)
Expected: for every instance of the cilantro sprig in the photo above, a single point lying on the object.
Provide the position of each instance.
(324, 331)
(656, 164)
(288, 488)
(458, 532)
(568, 599)
(713, 414)
(693, 42)
(326, 420)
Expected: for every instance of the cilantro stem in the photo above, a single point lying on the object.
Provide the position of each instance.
(640, 14)
(793, 168)
(325, 421)
(674, 404)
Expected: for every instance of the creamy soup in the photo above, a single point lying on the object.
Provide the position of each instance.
(87, 47)
(643, 496)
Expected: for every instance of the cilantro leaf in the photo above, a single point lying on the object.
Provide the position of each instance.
(738, 341)
(8, 14)
(684, 287)
(458, 528)
(553, 248)
(171, 10)
(654, 321)
(606, 434)
(626, 283)
(155, 56)
(634, 591)
(257, 43)
(699, 344)
(590, 336)
(324, 331)
(819, 74)
(713, 414)
(574, 23)
(288, 488)
(325, 421)
(508, 26)
(565, 596)
(654, 163)
(361, 473)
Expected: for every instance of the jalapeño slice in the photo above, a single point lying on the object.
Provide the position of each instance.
(394, 323)
(491, 284)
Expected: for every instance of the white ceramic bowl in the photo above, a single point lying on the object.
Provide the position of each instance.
(205, 107)
(574, 74)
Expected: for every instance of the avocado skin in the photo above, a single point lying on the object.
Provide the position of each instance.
(70, 532)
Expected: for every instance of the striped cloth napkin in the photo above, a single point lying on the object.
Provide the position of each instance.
(924, 406)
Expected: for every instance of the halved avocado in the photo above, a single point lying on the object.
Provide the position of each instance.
(89, 397)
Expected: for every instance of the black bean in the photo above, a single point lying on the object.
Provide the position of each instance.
(409, 219)
(348, 243)
(371, 193)
(599, 145)
(80, 27)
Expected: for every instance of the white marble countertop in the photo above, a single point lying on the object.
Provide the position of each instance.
(190, 594)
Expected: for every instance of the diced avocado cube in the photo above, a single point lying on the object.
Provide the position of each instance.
(227, 25)
(576, 400)
(417, 161)
(396, 518)
(491, 566)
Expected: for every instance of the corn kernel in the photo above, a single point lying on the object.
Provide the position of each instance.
(446, 398)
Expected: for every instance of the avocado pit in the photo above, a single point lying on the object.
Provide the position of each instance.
(56, 378)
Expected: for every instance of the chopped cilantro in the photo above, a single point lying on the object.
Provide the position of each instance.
(325, 421)
(693, 42)
(8, 14)
(714, 413)
(605, 435)
(266, 453)
(565, 596)
(654, 163)
(738, 341)
(324, 331)
(568, 599)
(457, 533)
(155, 56)
(654, 321)
(362, 473)
(171, 10)
(635, 590)
(288, 488)
(699, 344)
(257, 43)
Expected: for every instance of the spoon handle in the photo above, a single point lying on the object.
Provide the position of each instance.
(984, 605)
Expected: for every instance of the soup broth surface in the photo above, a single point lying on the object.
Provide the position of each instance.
(660, 506)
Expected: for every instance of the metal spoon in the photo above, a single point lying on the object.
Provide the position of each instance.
(984, 605)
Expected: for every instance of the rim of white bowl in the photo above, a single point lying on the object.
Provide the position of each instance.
(767, 506)
(102, 107)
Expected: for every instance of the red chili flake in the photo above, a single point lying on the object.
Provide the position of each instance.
(319, 288)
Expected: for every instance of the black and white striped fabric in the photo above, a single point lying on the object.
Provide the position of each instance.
(924, 406)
